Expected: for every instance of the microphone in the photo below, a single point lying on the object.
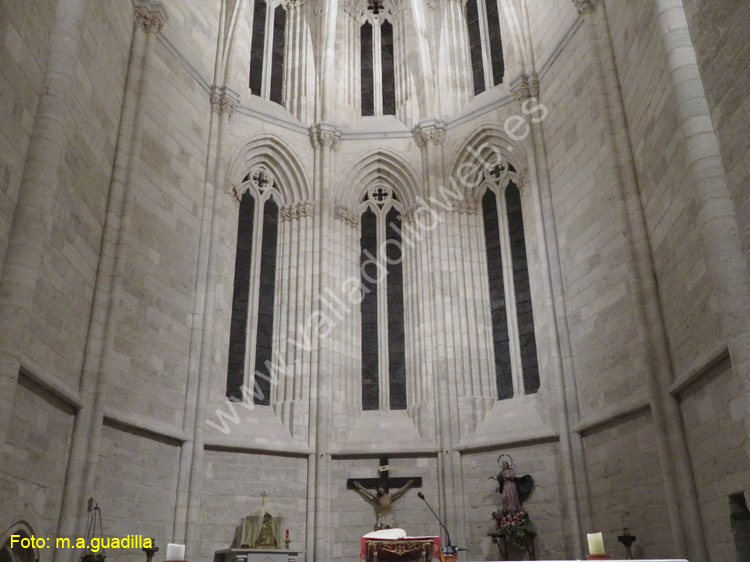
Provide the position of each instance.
(449, 548)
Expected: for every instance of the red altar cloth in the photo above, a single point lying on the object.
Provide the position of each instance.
(437, 551)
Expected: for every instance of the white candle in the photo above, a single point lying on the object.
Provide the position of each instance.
(175, 551)
(596, 543)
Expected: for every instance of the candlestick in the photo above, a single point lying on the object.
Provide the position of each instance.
(150, 551)
(596, 543)
(287, 541)
(175, 552)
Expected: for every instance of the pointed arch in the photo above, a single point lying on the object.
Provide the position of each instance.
(382, 166)
(278, 157)
(485, 145)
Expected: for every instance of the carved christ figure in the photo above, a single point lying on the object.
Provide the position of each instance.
(383, 500)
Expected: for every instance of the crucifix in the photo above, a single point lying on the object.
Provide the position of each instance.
(382, 498)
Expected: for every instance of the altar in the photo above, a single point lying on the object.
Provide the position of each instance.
(257, 555)
(406, 549)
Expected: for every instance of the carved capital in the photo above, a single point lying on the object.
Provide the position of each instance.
(297, 210)
(325, 135)
(587, 6)
(223, 100)
(352, 8)
(292, 5)
(528, 88)
(467, 207)
(429, 132)
(344, 215)
(522, 180)
(150, 18)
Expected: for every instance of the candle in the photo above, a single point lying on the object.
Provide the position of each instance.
(596, 543)
(287, 533)
(175, 552)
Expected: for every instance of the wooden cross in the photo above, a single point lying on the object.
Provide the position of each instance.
(263, 495)
(384, 480)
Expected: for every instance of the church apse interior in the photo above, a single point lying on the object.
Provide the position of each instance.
(254, 251)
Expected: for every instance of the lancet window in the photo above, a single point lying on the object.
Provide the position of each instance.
(251, 331)
(485, 44)
(378, 80)
(514, 341)
(267, 50)
(382, 308)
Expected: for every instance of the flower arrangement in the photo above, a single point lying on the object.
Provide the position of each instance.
(514, 525)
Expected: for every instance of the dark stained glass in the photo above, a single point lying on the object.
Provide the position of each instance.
(500, 337)
(368, 86)
(369, 310)
(389, 81)
(522, 287)
(395, 279)
(277, 56)
(475, 45)
(266, 294)
(496, 42)
(240, 297)
(257, 47)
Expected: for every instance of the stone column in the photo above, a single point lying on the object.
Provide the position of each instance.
(430, 136)
(717, 216)
(325, 139)
(84, 452)
(460, 68)
(573, 478)
(30, 232)
(295, 64)
(679, 486)
(190, 476)
(326, 82)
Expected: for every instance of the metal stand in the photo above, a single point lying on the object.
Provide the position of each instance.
(502, 545)
(627, 539)
(150, 551)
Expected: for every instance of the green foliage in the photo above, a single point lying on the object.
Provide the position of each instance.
(514, 525)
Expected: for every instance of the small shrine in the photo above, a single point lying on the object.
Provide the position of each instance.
(261, 536)
(514, 528)
(262, 529)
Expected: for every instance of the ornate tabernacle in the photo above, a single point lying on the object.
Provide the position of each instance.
(262, 529)
(406, 550)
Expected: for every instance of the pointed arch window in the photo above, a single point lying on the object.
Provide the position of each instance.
(485, 44)
(267, 50)
(514, 341)
(382, 308)
(378, 79)
(253, 299)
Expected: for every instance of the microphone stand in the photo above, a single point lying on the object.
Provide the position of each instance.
(448, 549)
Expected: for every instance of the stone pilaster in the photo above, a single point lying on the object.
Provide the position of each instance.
(148, 20)
(325, 139)
(31, 225)
(655, 362)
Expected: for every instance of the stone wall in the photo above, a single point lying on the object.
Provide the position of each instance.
(160, 247)
(35, 459)
(232, 488)
(718, 31)
(668, 202)
(593, 251)
(627, 486)
(715, 420)
(545, 506)
(135, 486)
